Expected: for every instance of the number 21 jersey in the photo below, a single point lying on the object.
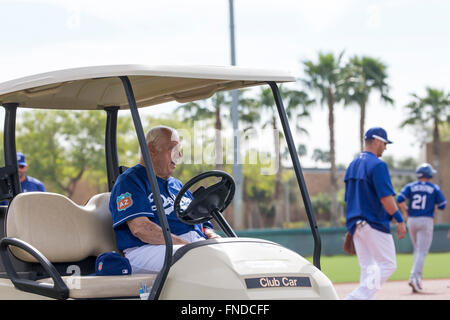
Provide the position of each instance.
(423, 197)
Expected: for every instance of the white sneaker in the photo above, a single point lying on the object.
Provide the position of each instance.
(419, 284)
(415, 285)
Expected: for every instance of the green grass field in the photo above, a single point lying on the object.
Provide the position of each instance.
(346, 268)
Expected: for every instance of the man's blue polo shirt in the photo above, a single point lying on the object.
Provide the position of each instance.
(31, 184)
(366, 181)
(132, 197)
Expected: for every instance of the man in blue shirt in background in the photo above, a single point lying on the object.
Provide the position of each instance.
(27, 183)
(423, 196)
(370, 208)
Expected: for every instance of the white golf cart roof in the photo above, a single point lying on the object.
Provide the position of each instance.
(97, 87)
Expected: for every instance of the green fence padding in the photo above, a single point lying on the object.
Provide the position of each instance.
(301, 240)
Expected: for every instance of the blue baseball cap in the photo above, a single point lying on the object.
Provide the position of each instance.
(377, 133)
(21, 159)
(112, 264)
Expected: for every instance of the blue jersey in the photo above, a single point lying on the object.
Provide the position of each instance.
(31, 184)
(28, 185)
(366, 181)
(132, 197)
(423, 197)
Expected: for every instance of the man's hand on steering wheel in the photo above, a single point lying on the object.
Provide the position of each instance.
(210, 234)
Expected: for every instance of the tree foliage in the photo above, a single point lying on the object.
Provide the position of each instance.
(361, 76)
(62, 147)
(325, 77)
(433, 110)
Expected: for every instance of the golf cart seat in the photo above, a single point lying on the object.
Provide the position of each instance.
(63, 231)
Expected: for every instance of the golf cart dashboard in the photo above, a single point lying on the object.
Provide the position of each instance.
(217, 241)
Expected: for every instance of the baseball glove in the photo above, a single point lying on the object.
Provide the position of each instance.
(349, 247)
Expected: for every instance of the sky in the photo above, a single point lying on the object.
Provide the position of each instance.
(411, 37)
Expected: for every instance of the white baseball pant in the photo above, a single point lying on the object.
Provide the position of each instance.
(149, 258)
(376, 257)
(421, 233)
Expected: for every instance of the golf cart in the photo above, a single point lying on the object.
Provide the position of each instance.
(49, 244)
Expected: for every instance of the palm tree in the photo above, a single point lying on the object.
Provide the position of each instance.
(361, 77)
(296, 104)
(432, 109)
(209, 109)
(212, 108)
(325, 77)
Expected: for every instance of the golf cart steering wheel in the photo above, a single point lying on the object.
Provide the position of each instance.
(207, 201)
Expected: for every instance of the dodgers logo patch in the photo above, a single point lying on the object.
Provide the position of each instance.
(124, 201)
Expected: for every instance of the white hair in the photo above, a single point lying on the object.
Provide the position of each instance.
(156, 133)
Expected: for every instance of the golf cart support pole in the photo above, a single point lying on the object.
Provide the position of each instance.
(112, 159)
(298, 173)
(162, 275)
(217, 215)
(9, 142)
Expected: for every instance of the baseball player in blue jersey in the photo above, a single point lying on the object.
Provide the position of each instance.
(135, 219)
(370, 208)
(422, 196)
(27, 183)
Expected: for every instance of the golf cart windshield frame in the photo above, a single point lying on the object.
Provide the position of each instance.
(113, 169)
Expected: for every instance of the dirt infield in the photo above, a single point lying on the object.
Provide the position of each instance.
(436, 289)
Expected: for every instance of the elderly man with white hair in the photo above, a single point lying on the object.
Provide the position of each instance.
(135, 219)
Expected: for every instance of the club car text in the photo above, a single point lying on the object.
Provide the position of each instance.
(277, 282)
